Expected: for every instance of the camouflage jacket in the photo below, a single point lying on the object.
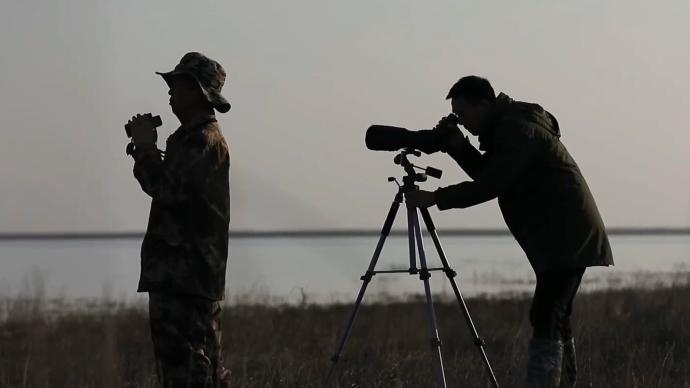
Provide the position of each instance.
(186, 244)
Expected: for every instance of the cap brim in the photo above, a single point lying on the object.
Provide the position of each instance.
(216, 99)
(166, 76)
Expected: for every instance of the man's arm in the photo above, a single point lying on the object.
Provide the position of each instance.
(179, 176)
(514, 148)
(466, 155)
(456, 146)
(447, 137)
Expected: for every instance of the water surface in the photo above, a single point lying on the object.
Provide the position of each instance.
(323, 269)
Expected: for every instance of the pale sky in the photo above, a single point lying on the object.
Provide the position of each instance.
(306, 78)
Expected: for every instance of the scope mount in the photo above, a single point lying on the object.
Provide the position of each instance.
(411, 175)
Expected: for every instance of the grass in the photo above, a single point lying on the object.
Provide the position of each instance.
(626, 338)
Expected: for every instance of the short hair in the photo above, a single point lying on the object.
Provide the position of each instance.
(472, 88)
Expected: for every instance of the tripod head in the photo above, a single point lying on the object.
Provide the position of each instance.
(411, 176)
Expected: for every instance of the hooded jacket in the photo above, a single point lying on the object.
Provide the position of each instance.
(541, 192)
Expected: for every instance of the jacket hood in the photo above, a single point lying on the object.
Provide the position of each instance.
(506, 108)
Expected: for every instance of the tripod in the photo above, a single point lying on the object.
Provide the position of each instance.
(416, 245)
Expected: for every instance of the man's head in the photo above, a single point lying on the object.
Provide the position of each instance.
(186, 96)
(471, 99)
(196, 82)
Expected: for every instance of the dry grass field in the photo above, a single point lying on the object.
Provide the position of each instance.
(626, 338)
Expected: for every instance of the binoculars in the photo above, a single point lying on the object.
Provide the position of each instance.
(155, 121)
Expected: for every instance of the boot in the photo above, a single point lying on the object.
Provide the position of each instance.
(569, 372)
(544, 360)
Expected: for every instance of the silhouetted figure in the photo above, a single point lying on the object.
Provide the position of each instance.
(184, 253)
(545, 202)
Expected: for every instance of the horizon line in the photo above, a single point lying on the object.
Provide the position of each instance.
(317, 233)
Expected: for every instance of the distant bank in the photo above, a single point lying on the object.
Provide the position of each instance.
(315, 233)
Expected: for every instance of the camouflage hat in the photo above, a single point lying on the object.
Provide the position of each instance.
(208, 73)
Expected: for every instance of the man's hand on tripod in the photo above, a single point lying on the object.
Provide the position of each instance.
(421, 198)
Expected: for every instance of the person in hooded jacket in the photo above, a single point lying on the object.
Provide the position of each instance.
(545, 203)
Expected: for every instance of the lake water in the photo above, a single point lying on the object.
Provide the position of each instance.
(323, 269)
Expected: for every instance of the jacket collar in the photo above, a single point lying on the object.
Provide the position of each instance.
(197, 122)
(499, 106)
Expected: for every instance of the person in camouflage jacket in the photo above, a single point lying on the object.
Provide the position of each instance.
(545, 203)
(184, 252)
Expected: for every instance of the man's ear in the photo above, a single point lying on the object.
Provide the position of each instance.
(485, 105)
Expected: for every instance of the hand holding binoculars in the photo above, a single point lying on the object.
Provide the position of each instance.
(142, 130)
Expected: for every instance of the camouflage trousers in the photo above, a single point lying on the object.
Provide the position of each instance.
(187, 341)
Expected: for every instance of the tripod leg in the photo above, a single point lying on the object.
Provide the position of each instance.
(366, 278)
(461, 301)
(424, 275)
(411, 216)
